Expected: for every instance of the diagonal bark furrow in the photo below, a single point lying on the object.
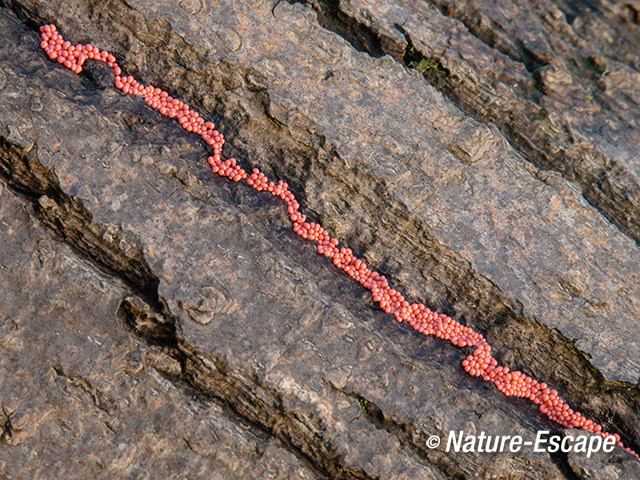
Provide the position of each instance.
(106, 245)
(415, 439)
(411, 437)
(147, 315)
(551, 356)
(299, 429)
(541, 351)
(253, 402)
(488, 32)
(606, 182)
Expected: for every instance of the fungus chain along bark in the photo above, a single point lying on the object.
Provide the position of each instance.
(479, 364)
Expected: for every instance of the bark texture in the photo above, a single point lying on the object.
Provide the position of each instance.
(157, 322)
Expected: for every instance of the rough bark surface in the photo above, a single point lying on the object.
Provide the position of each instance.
(156, 322)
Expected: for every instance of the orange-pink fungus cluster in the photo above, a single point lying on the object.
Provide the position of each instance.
(479, 364)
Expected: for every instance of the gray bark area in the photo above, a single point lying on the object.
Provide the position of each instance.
(157, 322)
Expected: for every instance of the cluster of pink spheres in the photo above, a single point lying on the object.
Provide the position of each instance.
(480, 363)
